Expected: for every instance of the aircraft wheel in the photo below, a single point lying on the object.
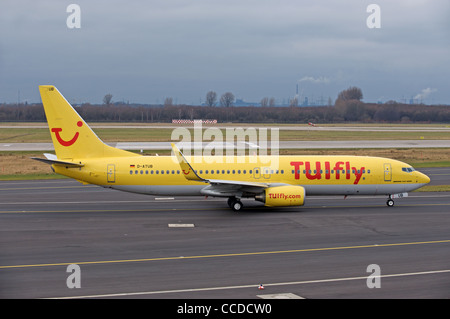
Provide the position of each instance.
(230, 201)
(236, 205)
(390, 202)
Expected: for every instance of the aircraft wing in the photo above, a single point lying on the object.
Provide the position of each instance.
(218, 187)
(227, 188)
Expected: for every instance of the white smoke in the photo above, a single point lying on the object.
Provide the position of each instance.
(320, 79)
(425, 93)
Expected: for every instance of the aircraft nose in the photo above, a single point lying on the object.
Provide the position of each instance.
(422, 178)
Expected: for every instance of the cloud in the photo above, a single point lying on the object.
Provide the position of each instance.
(425, 93)
(180, 48)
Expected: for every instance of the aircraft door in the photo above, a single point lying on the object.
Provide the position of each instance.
(256, 173)
(111, 173)
(266, 172)
(387, 172)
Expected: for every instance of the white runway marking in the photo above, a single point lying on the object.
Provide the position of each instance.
(280, 296)
(181, 225)
(255, 286)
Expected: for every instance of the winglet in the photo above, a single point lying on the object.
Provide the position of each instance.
(186, 168)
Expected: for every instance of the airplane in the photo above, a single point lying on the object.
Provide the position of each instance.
(81, 155)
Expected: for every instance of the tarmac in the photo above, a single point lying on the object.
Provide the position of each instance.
(136, 246)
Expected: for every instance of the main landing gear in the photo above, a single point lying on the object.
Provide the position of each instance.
(235, 204)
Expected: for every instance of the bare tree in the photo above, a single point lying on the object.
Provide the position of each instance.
(330, 101)
(264, 101)
(352, 93)
(227, 99)
(211, 98)
(168, 101)
(272, 102)
(107, 99)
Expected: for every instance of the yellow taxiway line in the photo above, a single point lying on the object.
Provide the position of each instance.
(225, 255)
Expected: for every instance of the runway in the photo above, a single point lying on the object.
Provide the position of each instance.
(136, 246)
(130, 146)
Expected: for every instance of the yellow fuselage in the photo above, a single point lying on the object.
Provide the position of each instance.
(320, 175)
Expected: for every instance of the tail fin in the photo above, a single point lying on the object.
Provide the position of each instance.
(71, 136)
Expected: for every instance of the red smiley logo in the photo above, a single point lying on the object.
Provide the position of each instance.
(63, 142)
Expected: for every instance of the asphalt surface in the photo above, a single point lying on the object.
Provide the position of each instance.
(136, 246)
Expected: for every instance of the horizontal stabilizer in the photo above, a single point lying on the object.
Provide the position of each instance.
(52, 159)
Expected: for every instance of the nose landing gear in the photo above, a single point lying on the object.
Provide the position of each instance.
(390, 202)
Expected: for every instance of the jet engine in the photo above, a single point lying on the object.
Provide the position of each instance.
(282, 196)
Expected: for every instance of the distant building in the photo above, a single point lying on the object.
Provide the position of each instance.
(240, 102)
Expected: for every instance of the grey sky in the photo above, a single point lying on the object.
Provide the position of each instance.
(144, 51)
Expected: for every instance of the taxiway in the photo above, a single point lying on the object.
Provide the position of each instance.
(136, 246)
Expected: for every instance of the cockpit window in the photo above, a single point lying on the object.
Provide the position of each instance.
(408, 169)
